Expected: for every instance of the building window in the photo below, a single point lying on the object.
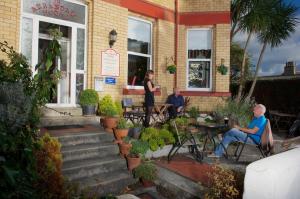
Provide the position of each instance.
(139, 50)
(199, 59)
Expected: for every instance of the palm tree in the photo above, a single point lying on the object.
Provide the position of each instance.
(280, 26)
(254, 21)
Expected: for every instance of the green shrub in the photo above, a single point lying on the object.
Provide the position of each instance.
(146, 171)
(122, 124)
(157, 138)
(139, 148)
(194, 112)
(181, 121)
(107, 107)
(119, 108)
(167, 136)
(89, 97)
(240, 112)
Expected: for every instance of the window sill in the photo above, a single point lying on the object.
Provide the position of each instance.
(127, 91)
(205, 93)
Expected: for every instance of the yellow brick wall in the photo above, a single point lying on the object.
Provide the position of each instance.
(203, 5)
(170, 4)
(10, 23)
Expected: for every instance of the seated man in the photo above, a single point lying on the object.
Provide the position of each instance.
(238, 133)
(177, 101)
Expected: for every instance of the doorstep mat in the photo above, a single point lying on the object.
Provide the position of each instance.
(187, 167)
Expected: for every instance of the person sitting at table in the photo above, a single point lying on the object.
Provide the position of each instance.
(238, 133)
(177, 102)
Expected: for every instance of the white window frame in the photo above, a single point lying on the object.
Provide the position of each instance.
(140, 54)
(35, 37)
(188, 60)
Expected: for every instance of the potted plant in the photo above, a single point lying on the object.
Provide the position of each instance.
(193, 114)
(108, 109)
(135, 130)
(88, 101)
(171, 69)
(122, 129)
(146, 172)
(222, 69)
(125, 146)
(137, 151)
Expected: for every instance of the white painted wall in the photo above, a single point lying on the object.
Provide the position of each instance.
(275, 177)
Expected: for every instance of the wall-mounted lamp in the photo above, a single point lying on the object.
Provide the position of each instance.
(112, 37)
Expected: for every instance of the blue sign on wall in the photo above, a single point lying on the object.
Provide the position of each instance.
(110, 80)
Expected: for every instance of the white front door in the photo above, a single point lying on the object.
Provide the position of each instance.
(35, 38)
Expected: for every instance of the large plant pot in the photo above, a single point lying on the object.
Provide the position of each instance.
(135, 132)
(88, 110)
(120, 133)
(146, 183)
(124, 148)
(109, 123)
(133, 162)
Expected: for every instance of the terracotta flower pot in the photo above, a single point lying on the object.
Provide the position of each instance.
(120, 133)
(109, 123)
(124, 148)
(133, 162)
(146, 183)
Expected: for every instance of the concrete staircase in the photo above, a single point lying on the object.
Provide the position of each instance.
(92, 160)
(60, 116)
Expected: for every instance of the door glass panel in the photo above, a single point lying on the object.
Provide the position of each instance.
(65, 69)
(80, 49)
(27, 39)
(79, 85)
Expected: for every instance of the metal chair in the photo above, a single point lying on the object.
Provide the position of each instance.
(258, 145)
(185, 139)
(131, 112)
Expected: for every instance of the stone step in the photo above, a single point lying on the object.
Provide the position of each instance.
(61, 111)
(108, 183)
(69, 120)
(86, 151)
(94, 166)
(177, 186)
(85, 138)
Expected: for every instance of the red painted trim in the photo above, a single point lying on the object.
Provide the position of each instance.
(158, 12)
(138, 92)
(204, 18)
(205, 94)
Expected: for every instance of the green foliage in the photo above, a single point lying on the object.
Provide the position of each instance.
(181, 121)
(122, 124)
(223, 183)
(194, 112)
(139, 147)
(146, 171)
(171, 68)
(157, 138)
(222, 69)
(89, 97)
(107, 107)
(241, 112)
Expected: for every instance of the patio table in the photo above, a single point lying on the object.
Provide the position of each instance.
(278, 117)
(211, 130)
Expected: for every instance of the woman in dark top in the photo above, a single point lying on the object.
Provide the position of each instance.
(149, 95)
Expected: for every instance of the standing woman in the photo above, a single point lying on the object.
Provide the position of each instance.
(149, 95)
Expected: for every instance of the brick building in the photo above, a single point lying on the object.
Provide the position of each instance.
(194, 34)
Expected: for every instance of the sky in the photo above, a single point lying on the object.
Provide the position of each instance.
(274, 59)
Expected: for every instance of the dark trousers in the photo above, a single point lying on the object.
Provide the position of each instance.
(172, 112)
(148, 112)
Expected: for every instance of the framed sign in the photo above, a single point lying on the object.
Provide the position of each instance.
(110, 80)
(99, 84)
(110, 60)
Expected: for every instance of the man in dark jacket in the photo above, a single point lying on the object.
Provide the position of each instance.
(177, 101)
